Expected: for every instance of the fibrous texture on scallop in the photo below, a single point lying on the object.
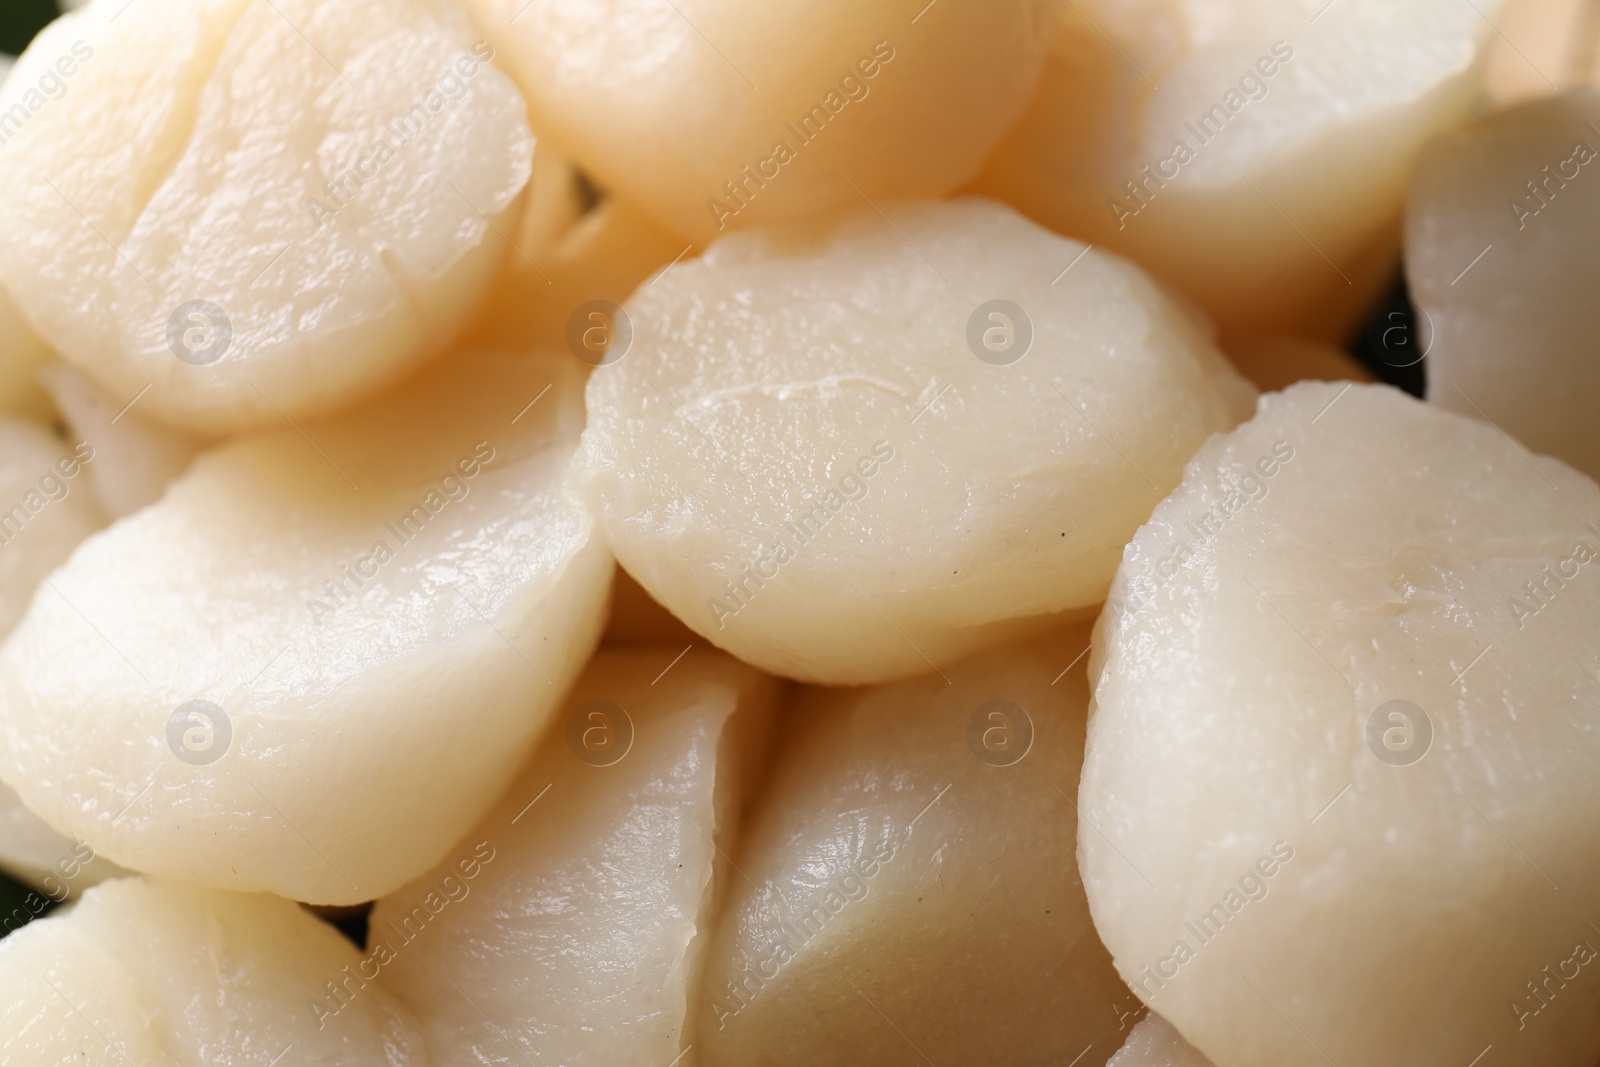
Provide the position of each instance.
(1501, 252)
(711, 116)
(315, 663)
(1154, 1043)
(1347, 712)
(912, 889)
(570, 926)
(135, 458)
(853, 454)
(155, 972)
(255, 209)
(1253, 152)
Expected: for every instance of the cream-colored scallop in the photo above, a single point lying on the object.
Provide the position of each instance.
(570, 926)
(1154, 1043)
(135, 457)
(317, 661)
(1501, 233)
(1340, 765)
(256, 208)
(713, 114)
(823, 453)
(162, 973)
(1252, 152)
(912, 891)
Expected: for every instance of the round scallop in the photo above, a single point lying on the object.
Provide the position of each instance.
(155, 972)
(912, 860)
(860, 452)
(316, 662)
(571, 926)
(1501, 245)
(1340, 765)
(715, 114)
(1252, 152)
(296, 203)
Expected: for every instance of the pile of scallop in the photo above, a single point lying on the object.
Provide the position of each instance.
(638, 533)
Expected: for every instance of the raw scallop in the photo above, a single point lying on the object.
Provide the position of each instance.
(160, 973)
(318, 660)
(857, 453)
(1253, 152)
(1347, 715)
(911, 890)
(1502, 250)
(259, 210)
(713, 114)
(570, 926)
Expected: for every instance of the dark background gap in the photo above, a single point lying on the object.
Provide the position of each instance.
(21, 19)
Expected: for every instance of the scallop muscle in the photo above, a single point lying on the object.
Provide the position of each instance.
(857, 453)
(257, 208)
(1347, 714)
(315, 663)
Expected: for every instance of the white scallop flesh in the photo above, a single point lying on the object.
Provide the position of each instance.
(570, 926)
(706, 116)
(256, 207)
(912, 884)
(379, 613)
(135, 458)
(803, 456)
(1347, 712)
(1252, 152)
(1501, 233)
(162, 973)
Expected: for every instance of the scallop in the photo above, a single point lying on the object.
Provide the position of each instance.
(1339, 772)
(860, 452)
(1252, 152)
(710, 117)
(910, 889)
(569, 927)
(321, 656)
(256, 210)
(157, 972)
(1501, 233)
